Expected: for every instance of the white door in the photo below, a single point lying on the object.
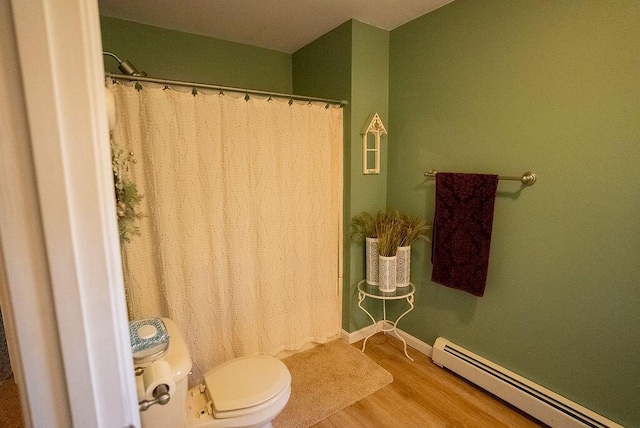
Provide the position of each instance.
(58, 233)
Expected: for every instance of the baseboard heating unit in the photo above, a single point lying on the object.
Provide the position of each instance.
(544, 405)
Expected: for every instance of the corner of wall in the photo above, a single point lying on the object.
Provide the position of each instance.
(370, 94)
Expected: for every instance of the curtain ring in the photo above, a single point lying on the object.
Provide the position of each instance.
(194, 92)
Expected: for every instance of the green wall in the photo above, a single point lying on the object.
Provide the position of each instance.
(553, 87)
(351, 62)
(170, 54)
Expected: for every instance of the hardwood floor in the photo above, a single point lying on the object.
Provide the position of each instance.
(423, 395)
(10, 416)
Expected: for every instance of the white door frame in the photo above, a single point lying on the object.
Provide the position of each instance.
(59, 244)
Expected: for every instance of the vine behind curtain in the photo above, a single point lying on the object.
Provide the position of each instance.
(242, 203)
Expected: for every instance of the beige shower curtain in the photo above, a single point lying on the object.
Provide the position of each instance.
(242, 202)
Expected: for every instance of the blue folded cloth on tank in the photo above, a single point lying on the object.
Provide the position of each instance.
(149, 338)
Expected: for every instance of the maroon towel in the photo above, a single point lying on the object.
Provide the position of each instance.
(462, 230)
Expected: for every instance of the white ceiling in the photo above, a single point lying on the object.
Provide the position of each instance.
(281, 25)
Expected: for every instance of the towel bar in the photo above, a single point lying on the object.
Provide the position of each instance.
(528, 178)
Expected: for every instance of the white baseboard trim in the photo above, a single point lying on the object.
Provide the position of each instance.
(357, 335)
(412, 341)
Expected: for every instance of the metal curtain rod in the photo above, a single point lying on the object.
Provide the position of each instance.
(222, 88)
(528, 178)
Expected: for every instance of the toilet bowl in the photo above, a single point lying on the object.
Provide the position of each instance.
(243, 392)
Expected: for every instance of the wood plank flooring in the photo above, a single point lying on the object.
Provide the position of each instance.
(10, 415)
(423, 395)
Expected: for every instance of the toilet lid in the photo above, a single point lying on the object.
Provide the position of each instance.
(245, 382)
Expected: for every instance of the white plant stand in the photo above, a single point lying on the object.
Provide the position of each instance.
(365, 290)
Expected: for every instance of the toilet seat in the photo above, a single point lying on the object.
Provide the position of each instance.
(245, 385)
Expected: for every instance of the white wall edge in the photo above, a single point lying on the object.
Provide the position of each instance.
(69, 139)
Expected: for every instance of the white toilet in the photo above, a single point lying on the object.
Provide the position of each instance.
(243, 392)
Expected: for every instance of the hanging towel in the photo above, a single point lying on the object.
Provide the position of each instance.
(462, 230)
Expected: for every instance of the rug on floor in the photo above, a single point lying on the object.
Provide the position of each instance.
(326, 379)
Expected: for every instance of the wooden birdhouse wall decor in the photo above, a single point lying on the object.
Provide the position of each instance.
(371, 133)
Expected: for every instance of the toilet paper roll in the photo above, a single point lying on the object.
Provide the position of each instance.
(157, 373)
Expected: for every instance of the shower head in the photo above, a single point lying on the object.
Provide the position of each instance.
(126, 67)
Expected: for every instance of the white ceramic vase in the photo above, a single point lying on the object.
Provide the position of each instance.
(403, 267)
(372, 260)
(387, 273)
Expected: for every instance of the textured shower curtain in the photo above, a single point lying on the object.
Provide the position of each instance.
(242, 202)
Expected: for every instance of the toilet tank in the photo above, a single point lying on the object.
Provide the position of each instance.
(173, 414)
